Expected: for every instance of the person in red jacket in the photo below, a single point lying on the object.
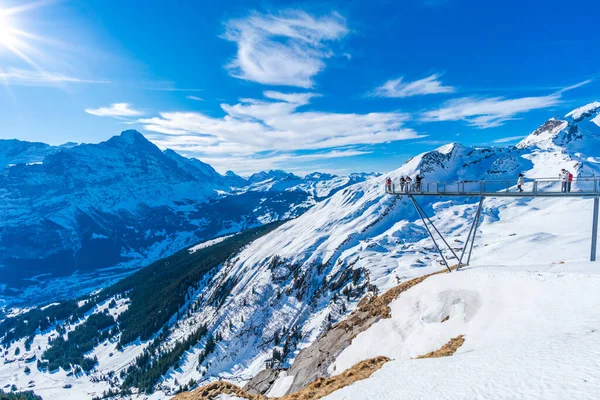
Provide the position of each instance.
(570, 181)
(388, 184)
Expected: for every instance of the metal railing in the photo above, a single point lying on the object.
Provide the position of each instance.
(582, 186)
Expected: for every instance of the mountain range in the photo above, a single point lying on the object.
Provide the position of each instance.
(76, 217)
(277, 308)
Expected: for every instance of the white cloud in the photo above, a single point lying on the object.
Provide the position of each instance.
(508, 139)
(116, 110)
(38, 78)
(288, 161)
(288, 48)
(252, 127)
(488, 112)
(493, 111)
(399, 88)
(195, 98)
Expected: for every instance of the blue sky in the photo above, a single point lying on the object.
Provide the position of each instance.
(336, 86)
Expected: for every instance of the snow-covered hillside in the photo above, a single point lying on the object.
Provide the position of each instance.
(282, 291)
(88, 214)
(529, 332)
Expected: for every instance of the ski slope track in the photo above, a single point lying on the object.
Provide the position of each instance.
(527, 291)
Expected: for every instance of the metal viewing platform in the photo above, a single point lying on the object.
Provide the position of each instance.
(545, 187)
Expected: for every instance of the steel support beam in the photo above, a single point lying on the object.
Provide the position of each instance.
(436, 229)
(476, 222)
(429, 231)
(594, 230)
(471, 231)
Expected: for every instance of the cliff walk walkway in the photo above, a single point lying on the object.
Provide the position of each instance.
(545, 187)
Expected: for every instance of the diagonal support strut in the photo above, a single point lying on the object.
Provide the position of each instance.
(424, 216)
(472, 231)
(436, 229)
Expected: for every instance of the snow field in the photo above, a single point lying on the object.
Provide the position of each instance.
(530, 332)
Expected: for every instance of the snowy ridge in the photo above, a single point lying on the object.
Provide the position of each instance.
(587, 110)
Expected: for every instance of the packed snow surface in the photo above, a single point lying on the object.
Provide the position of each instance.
(530, 332)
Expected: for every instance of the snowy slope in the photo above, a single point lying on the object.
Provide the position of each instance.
(529, 333)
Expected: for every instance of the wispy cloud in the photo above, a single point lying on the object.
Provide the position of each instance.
(26, 77)
(575, 86)
(115, 110)
(508, 139)
(493, 111)
(488, 112)
(400, 88)
(195, 98)
(304, 162)
(288, 48)
(162, 87)
(274, 124)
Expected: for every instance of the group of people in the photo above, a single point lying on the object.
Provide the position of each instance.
(406, 184)
(566, 179)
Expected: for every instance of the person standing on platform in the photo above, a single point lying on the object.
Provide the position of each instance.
(520, 182)
(570, 181)
(564, 177)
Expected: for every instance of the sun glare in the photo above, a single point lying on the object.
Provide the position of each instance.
(14, 38)
(4, 29)
(8, 34)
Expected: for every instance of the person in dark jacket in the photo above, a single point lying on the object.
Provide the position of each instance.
(520, 182)
(402, 183)
(418, 180)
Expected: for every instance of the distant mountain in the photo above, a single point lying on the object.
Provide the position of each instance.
(14, 152)
(90, 213)
(194, 166)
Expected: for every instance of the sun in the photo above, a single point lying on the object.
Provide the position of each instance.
(15, 38)
(7, 35)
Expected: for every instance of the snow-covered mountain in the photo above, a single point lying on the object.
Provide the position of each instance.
(276, 297)
(89, 213)
(14, 152)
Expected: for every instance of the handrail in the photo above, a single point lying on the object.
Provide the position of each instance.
(579, 186)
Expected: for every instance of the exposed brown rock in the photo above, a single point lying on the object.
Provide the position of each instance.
(446, 350)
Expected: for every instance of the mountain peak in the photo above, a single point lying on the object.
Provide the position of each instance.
(133, 139)
(447, 148)
(132, 136)
(584, 111)
(544, 134)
